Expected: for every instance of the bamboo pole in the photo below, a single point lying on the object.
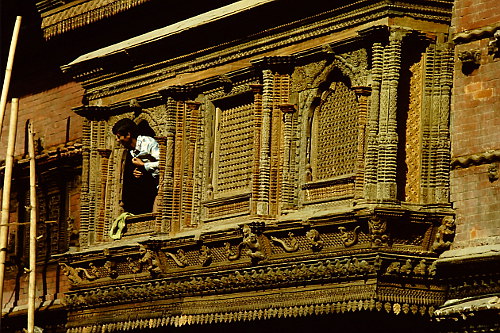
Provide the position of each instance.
(33, 221)
(8, 71)
(4, 228)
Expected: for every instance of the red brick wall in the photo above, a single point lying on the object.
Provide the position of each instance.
(475, 123)
(49, 111)
(472, 14)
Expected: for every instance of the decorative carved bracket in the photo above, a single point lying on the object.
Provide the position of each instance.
(494, 44)
(378, 231)
(180, 259)
(471, 59)
(444, 235)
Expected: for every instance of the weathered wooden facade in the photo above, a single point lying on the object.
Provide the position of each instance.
(304, 169)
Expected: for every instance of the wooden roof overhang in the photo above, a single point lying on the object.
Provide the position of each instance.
(187, 50)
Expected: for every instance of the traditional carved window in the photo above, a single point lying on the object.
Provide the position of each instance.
(234, 154)
(138, 194)
(232, 157)
(335, 133)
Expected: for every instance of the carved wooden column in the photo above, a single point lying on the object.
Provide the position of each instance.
(276, 91)
(287, 183)
(181, 134)
(387, 135)
(257, 105)
(264, 158)
(101, 213)
(435, 134)
(444, 146)
(85, 196)
(161, 201)
(372, 123)
(192, 121)
(362, 94)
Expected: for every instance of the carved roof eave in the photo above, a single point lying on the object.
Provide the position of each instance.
(51, 155)
(121, 50)
(59, 17)
(103, 65)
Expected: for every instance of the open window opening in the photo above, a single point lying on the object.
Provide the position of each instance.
(139, 192)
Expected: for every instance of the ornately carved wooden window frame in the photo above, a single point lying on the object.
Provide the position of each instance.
(240, 198)
(338, 184)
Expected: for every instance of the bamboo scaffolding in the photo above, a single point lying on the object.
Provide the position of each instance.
(8, 71)
(4, 228)
(33, 222)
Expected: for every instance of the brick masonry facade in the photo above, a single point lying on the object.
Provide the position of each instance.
(475, 120)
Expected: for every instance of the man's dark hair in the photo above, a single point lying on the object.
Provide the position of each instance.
(125, 126)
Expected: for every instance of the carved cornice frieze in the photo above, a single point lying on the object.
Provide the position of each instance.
(153, 321)
(263, 277)
(476, 34)
(180, 92)
(486, 157)
(93, 111)
(280, 64)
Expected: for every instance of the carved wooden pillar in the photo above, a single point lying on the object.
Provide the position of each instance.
(435, 136)
(444, 145)
(181, 135)
(264, 158)
(85, 198)
(192, 134)
(372, 124)
(287, 181)
(387, 134)
(276, 91)
(101, 213)
(161, 202)
(362, 94)
(257, 104)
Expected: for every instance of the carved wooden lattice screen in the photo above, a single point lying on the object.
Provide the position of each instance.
(336, 133)
(235, 152)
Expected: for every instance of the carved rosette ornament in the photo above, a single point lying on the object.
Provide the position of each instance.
(378, 231)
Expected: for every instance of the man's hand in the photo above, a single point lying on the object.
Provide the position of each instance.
(137, 173)
(137, 162)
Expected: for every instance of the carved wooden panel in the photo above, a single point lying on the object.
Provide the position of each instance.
(235, 149)
(413, 138)
(336, 132)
